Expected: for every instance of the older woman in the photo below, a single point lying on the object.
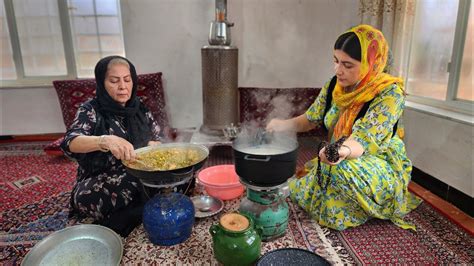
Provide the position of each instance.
(106, 130)
(369, 171)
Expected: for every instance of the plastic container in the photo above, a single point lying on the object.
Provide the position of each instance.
(221, 181)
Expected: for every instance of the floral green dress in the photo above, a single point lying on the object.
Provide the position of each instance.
(373, 185)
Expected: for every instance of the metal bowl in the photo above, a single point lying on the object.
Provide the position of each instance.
(85, 244)
(206, 206)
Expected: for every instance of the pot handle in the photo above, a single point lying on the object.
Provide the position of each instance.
(259, 230)
(213, 229)
(250, 158)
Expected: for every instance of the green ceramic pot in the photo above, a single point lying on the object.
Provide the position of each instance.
(236, 247)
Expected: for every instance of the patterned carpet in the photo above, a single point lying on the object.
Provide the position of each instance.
(34, 203)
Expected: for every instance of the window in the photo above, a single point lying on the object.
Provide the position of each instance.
(465, 79)
(97, 32)
(8, 66)
(440, 61)
(43, 40)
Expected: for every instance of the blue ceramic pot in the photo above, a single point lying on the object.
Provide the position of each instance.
(168, 218)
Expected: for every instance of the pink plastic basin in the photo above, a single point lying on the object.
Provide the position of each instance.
(221, 181)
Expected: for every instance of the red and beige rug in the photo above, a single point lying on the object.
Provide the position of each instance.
(34, 203)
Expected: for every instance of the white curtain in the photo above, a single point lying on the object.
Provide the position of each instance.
(395, 19)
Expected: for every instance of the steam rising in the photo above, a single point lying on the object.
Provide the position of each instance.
(250, 141)
(280, 107)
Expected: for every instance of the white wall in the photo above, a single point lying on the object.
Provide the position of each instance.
(167, 36)
(289, 43)
(441, 147)
(282, 43)
(26, 111)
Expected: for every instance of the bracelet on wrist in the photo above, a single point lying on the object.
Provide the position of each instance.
(102, 145)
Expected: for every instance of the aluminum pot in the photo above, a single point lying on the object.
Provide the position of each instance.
(265, 163)
(158, 177)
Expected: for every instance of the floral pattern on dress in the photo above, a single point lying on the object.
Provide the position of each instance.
(375, 185)
(99, 194)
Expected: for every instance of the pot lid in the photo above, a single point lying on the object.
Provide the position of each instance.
(234, 222)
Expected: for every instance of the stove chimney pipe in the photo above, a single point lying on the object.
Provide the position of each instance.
(219, 33)
(219, 75)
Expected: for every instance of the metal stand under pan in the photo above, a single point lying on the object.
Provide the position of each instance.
(267, 207)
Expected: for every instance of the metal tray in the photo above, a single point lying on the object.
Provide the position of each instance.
(205, 206)
(85, 244)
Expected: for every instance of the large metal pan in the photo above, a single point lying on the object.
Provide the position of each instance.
(164, 177)
(85, 244)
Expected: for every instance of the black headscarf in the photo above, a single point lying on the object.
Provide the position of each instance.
(134, 112)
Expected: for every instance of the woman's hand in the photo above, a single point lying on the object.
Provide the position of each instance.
(343, 151)
(278, 125)
(119, 147)
(295, 124)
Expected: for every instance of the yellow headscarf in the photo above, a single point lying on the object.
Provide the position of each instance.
(374, 54)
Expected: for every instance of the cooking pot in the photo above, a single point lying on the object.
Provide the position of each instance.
(267, 160)
(164, 177)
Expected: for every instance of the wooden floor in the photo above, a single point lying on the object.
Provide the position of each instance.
(20, 138)
(446, 208)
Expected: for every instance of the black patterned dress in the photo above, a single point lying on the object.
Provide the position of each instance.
(104, 190)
